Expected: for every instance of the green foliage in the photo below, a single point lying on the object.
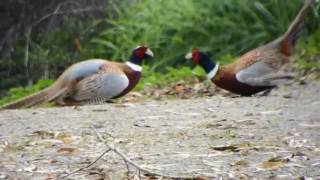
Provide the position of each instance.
(225, 28)
(172, 27)
(310, 58)
(172, 75)
(19, 92)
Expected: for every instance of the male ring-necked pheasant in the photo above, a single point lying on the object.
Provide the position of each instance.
(258, 69)
(90, 81)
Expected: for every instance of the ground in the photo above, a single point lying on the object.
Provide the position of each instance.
(275, 136)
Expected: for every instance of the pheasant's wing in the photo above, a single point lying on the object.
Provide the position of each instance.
(260, 74)
(261, 68)
(101, 86)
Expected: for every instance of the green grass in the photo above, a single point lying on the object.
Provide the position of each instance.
(19, 92)
(171, 27)
(151, 79)
(309, 58)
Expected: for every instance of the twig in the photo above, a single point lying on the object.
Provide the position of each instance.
(68, 12)
(123, 156)
(139, 173)
(89, 165)
(128, 168)
(26, 55)
(132, 163)
(184, 114)
(6, 37)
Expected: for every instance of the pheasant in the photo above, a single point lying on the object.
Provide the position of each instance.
(259, 69)
(90, 81)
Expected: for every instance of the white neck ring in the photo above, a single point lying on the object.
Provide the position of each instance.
(213, 72)
(134, 67)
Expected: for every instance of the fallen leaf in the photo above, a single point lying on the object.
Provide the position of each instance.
(64, 137)
(211, 125)
(13, 147)
(179, 89)
(227, 148)
(100, 110)
(274, 163)
(50, 177)
(123, 105)
(248, 114)
(247, 122)
(310, 125)
(185, 114)
(43, 134)
(135, 94)
(270, 112)
(141, 125)
(235, 147)
(67, 151)
(300, 155)
(242, 163)
(30, 168)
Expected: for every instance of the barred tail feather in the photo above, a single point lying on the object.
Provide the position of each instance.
(290, 38)
(46, 95)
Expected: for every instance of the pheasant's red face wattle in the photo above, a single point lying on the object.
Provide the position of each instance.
(140, 52)
(195, 56)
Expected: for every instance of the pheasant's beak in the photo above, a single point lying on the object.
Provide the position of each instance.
(149, 53)
(189, 55)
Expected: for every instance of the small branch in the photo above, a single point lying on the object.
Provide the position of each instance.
(6, 37)
(127, 161)
(132, 163)
(183, 114)
(123, 156)
(68, 12)
(26, 55)
(128, 168)
(89, 165)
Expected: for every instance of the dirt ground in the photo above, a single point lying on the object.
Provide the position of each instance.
(264, 137)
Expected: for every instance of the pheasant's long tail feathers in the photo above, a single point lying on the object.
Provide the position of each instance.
(46, 95)
(289, 39)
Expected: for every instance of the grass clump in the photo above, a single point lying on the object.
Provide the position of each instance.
(309, 57)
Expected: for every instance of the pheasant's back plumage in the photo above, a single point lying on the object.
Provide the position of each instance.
(270, 56)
